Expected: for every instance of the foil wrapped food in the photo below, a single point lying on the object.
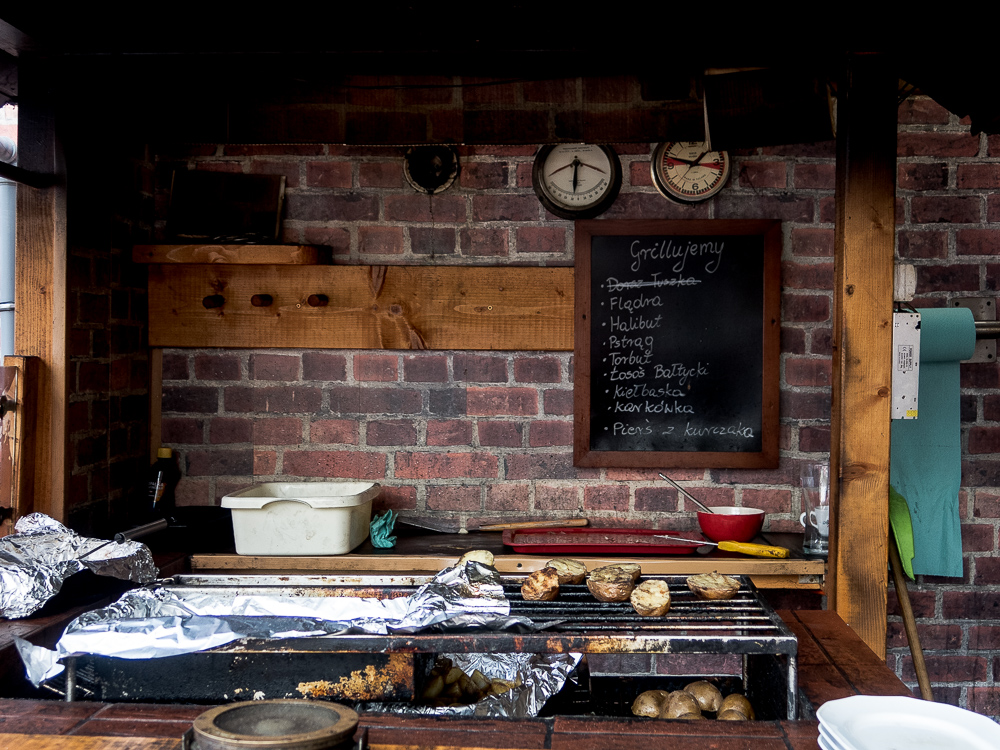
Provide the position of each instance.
(161, 620)
(41, 554)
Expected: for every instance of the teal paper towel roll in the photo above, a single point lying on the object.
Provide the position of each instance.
(926, 452)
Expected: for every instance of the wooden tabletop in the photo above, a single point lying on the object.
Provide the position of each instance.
(833, 663)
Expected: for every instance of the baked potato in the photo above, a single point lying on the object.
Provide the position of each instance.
(709, 697)
(569, 570)
(713, 586)
(651, 598)
(610, 584)
(541, 586)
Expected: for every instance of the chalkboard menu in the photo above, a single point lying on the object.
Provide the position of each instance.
(677, 343)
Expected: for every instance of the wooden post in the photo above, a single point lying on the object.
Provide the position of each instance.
(862, 344)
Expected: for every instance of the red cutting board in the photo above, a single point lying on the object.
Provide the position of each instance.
(588, 541)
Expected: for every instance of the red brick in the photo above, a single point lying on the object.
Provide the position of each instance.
(449, 432)
(971, 605)
(447, 209)
(323, 366)
(327, 207)
(983, 700)
(480, 241)
(523, 173)
(376, 367)
(172, 429)
(911, 176)
(923, 603)
(536, 369)
(208, 463)
(949, 668)
(656, 499)
(987, 568)
(193, 492)
(938, 145)
(502, 401)
(334, 464)
(793, 340)
(821, 341)
(984, 440)
(639, 174)
(425, 368)
(93, 376)
(337, 238)
(432, 241)
(392, 432)
(558, 402)
(273, 399)
(545, 434)
(397, 498)
(609, 89)
(557, 497)
(329, 174)
(984, 638)
(991, 408)
(230, 430)
(263, 149)
(508, 497)
(605, 497)
(211, 367)
(541, 240)
(932, 637)
(389, 400)
(500, 434)
(264, 462)
(807, 275)
(120, 374)
(328, 431)
(770, 501)
(453, 498)
(815, 176)
(921, 110)
(277, 431)
(982, 473)
(814, 439)
(805, 405)
(763, 174)
(987, 505)
(811, 242)
(274, 367)
(381, 174)
(924, 244)
(805, 308)
(786, 207)
(977, 537)
(644, 205)
(554, 91)
(953, 278)
(699, 664)
(475, 368)
(290, 170)
(483, 175)
(446, 465)
(545, 466)
(505, 208)
(380, 240)
(808, 372)
(191, 399)
(977, 242)
(949, 209)
(978, 176)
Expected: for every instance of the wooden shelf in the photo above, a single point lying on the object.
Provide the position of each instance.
(246, 255)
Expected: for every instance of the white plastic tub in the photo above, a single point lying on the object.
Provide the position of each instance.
(301, 518)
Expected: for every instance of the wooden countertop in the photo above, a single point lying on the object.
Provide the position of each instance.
(833, 663)
(429, 553)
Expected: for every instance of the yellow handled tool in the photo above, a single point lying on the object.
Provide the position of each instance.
(746, 548)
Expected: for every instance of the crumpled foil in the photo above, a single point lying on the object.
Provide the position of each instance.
(36, 560)
(163, 621)
(541, 675)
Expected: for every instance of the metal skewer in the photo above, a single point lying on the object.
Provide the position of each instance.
(686, 494)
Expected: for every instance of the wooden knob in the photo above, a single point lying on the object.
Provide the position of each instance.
(318, 300)
(213, 300)
(261, 300)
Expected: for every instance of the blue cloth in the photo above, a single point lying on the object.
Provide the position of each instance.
(926, 453)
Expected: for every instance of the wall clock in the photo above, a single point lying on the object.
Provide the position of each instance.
(688, 171)
(576, 181)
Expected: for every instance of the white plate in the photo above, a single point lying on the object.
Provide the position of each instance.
(869, 722)
(824, 744)
(832, 742)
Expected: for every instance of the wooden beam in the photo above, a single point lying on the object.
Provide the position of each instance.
(862, 333)
(361, 307)
(301, 255)
(17, 455)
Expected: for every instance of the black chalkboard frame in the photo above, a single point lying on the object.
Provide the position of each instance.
(770, 322)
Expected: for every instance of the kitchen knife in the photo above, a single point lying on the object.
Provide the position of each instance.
(746, 548)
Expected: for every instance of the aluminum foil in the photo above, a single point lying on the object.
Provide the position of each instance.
(541, 676)
(41, 554)
(161, 620)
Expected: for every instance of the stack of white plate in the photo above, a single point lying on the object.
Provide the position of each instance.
(865, 722)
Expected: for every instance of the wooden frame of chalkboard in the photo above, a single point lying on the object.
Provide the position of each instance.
(677, 328)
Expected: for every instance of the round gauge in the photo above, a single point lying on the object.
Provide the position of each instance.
(576, 181)
(687, 171)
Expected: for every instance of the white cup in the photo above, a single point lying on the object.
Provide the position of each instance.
(818, 518)
(815, 478)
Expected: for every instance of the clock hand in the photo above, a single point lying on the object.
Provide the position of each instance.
(596, 169)
(556, 171)
(576, 172)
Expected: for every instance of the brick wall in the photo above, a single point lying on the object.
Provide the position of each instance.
(464, 436)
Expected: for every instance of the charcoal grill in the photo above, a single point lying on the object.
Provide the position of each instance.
(374, 667)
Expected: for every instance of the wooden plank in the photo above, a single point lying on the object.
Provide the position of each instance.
(9, 414)
(155, 401)
(368, 307)
(295, 255)
(860, 412)
(75, 742)
(19, 375)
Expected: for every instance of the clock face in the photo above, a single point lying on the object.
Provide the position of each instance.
(577, 181)
(688, 172)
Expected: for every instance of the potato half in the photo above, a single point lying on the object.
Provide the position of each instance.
(713, 586)
(651, 599)
(610, 584)
(569, 570)
(541, 586)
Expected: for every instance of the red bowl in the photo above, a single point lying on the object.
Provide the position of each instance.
(729, 524)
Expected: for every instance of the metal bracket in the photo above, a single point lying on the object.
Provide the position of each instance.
(983, 308)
